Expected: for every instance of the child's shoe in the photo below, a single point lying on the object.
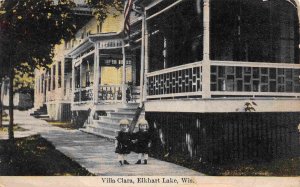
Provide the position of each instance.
(120, 162)
(145, 161)
(125, 162)
(138, 162)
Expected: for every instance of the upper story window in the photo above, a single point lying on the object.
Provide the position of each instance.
(99, 27)
(42, 82)
(53, 77)
(48, 73)
(88, 33)
(59, 74)
(176, 36)
(254, 30)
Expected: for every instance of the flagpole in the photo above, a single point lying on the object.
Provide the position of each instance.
(124, 74)
(142, 60)
(146, 56)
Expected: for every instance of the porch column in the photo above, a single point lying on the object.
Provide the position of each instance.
(96, 73)
(80, 79)
(73, 82)
(124, 74)
(142, 60)
(206, 47)
(146, 52)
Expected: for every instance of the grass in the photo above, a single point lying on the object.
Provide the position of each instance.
(275, 167)
(16, 128)
(65, 125)
(36, 157)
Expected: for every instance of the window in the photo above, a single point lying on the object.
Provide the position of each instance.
(77, 77)
(254, 31)
(49, 79)
(99, 28)
(71, 83)
(176, 37)
(54, 77)
(42, 81)
(59, 74)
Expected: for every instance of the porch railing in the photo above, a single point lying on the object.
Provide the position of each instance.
(184, 80)
(82, 95)
(234, 79)
(228, 79)
(110, 93)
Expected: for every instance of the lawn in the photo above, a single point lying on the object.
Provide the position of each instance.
(36, 157)
(4, 129)
(275, 167)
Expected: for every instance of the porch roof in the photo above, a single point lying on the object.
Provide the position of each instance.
(91, 40)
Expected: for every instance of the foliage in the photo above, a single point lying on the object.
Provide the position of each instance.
(31, 28)
(35, 156)
(102, 8)
(249, 106)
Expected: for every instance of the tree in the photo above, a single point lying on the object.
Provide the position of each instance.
(29, 29)
(3, 74)
(102, 8)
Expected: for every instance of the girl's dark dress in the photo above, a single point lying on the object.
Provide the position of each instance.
(143, 139)
(124, 143)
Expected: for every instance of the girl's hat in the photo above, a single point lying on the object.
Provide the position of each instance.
(124, 122)
(143, 122)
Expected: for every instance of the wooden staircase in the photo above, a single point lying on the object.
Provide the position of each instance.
(40, 113)
(108, 126)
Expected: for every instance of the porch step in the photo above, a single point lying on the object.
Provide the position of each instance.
(100, 124)
(110, 119)
(43, 116)
(108, 126)
(91, 131)
(104, 131)
(40, 112)
(127, 114)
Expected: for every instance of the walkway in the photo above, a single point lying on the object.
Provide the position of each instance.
(96, 154)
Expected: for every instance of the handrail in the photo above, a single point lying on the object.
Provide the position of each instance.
(254, 64)
(176, 68)
(83, 89)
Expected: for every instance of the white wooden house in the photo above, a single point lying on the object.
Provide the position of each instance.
(222, 77)
(219, 79)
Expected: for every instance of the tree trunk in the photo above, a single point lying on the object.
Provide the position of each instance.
(11, 104)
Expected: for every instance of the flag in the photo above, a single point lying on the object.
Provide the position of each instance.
(127, 11)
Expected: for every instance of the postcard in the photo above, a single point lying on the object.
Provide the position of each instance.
(149, 93)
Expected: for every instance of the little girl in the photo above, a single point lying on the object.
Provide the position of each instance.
(143, 139)
(123, 142)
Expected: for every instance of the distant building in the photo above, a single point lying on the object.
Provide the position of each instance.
(22, 100)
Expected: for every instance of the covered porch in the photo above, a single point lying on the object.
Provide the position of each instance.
(99, 75)
(211, 52)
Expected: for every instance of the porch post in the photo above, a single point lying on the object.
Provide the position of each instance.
(124, 74)
(146, 51)
(96, 73)
(206, 47)
(80, 79)
(142, 60)
(73, 82)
